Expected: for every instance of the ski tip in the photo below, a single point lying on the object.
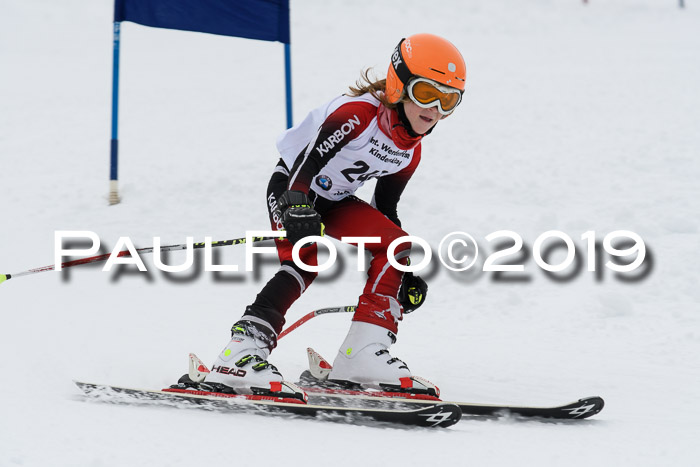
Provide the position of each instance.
(583, 408)
(440, 415)
(597, 402)
(86, 388)
(4, 277)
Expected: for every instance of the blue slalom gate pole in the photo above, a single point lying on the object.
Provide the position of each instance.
(114, 143)
(288, 82)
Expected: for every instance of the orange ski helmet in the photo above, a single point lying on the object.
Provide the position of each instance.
(428, 56)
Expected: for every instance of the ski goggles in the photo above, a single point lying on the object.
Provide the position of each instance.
(427, 93)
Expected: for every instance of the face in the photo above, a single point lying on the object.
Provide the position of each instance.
(421, 120)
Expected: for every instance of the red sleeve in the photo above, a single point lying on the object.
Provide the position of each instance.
(342, 126)
(389, 188)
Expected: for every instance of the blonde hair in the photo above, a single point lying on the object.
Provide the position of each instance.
(375, 87)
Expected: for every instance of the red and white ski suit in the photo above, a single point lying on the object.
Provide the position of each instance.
(329, 155)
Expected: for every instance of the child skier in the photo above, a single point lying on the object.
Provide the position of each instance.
(374, 131)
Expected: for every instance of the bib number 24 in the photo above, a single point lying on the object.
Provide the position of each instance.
(360, 170)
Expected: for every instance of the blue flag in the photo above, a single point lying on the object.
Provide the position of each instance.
(266, 20)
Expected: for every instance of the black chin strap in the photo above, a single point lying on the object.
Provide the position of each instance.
(407, 124)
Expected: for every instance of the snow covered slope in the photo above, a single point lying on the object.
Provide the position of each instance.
(576, 118)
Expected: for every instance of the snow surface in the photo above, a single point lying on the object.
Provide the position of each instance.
(576, 118)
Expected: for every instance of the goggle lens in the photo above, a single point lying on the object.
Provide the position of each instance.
(425, 93)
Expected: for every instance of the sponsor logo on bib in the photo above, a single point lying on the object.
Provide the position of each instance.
(324, 181)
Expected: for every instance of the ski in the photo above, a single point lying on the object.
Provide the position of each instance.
(418, 392)
(438, 414)
(580, 409)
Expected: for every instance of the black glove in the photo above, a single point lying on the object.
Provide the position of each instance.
(412, 292)
(299, 217)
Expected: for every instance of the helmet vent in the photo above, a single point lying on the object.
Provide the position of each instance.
(438, 71)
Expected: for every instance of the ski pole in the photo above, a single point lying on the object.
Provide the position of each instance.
(97, 259)
(313, 314)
